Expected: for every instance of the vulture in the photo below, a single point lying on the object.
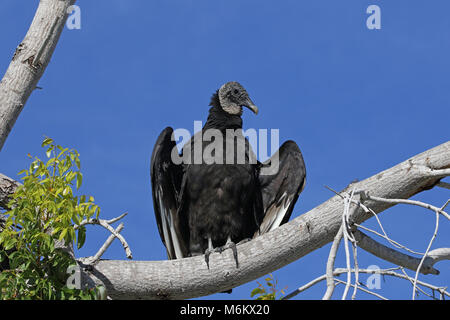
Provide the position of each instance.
(215, 201)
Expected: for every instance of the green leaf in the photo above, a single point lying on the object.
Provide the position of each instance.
(255, 292)
(81, 237)
(46, 142)
(66, 191)
(72, 233)
(62, 235)
(10, 244)
(79, 179)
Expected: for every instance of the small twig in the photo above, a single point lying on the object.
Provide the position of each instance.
(346, 237)
(369, 210)
(117, 219)
(426, 252)
(107, 226)
(413, 202)
(330, 265)
(105, 246)
(344, 232)
(362, 289)
(412, 283)
(381, 250)
(395, 243)
(355, 262)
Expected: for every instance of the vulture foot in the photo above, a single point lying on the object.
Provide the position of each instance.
(229, 245)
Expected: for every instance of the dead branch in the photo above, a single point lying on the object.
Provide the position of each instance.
(30, 61)
(386, 272)
(190, 277)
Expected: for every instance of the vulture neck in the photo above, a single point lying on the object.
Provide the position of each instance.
(219, 119)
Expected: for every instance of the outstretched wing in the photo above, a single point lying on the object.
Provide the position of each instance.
(282, 186)
(166, 180)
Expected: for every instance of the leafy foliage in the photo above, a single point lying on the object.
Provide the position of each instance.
(271, 293)
(45, 213)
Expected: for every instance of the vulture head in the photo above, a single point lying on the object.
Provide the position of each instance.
(232, 97)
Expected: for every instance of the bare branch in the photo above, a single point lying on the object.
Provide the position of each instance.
(439, 254)
(386, 272)
(393, 242)
(347, 237)
(393, 256)
(362, 289)
(117, 219)
(426, 252)
(355, 262)
(330, 265)
(30, 61)
(102, 250)
(413, 202)
(105, 224)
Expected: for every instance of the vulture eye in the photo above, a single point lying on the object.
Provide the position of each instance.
(236, 91)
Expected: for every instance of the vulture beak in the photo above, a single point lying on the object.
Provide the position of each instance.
(249, 104)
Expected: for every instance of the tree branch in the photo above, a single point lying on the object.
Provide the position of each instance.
(102, 250)
(386, 272)
(106, 224)
(30, 61)
(413, 202)
(190, 277)
(330, 265)
(393, 256)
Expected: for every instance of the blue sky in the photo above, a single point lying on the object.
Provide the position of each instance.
(356, 101)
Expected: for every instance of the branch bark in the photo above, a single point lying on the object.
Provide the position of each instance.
(30, 61)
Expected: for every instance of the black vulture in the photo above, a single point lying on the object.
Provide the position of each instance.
(202, 205)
